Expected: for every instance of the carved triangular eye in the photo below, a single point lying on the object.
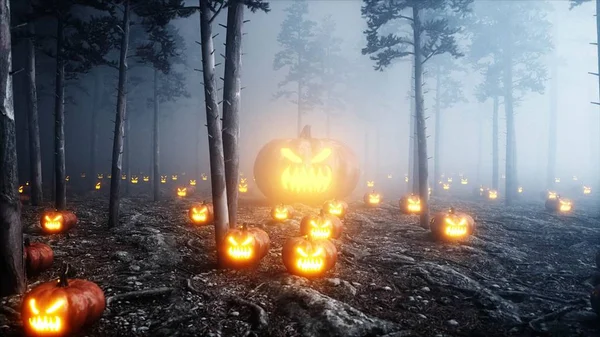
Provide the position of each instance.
(326, 223)
(57, 305)
(291, 156)
(318, 252)
(33, 307)
(58, 218)
(232, 241)
(321, 156)
(301, 252)
(247, 241)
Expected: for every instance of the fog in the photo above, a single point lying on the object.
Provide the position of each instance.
(376, 107)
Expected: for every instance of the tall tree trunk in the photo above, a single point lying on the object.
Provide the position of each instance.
(35, 155)
(98, 89)
(438, 134)
(117, 152)
(155, 144)
(231, 105)
(420, 122)
(366, 157)
(127, 152)
(215, 142)
(495, 145)
(11, 230)
(415, 161)
(60, 200)
(552, 133)
(411, 134)
(376, 152)
(598, 50)
(511, 155)
(300, 107)
(479, 149)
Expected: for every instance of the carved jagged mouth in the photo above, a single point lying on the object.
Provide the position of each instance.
(199, 217)
(309, 265)
(565, 208)
(281, 216)
(414, 208)
(53, 226)
(320, 233)
(306, 179)
(335, 211)
(454, 231)
(45, 323)
(240, 253)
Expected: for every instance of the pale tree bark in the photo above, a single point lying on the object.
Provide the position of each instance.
(598, 52)
(511, 144)
(412, 139)
(60, 199)
(98, 90)
(479, 149)
(215, 142)
(552, 121)
(117, 152)
(11, 231)
(35, 152)
(420, 121)
(300, 105)
(495, 144)
(126, 153)
(438, 134)
(155, 143)
(231, 105)
(366, 156)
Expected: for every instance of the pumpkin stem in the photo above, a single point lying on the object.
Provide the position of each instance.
(62, 279)
(305, 133)
(451, 210)
(27, 242)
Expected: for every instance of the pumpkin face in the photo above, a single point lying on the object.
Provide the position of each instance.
(451, 225)
(372, 199)
(192, 182)
(552, 195)
(410, 204)
(370, 183)
(446, 186)
(389, 176)
(163, 179)
(335, 207)
(405, 178)
(174, 177)
(67, 178)
(449, 180)
(100, 175)
(21, 189)
(146, 179)
(204, 177)
(323, 226)
(520, 189)
(492, 194)
(57, 221)
(305, 169)
(243, 186)
(464, 181)
(587, 190)
(560, 205)
(60, 308)
(181, 191)
(82, 174)
(282, 212)
(98, 185)
(201, 214)
(308, 258)
(557, 180)
(38, 257)
(244, 246)
(134, 179)
(109, 176)
(123, 177)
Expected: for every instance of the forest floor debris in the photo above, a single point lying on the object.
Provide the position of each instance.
(524, 272)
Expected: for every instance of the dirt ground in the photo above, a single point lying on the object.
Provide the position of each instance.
(525, 272)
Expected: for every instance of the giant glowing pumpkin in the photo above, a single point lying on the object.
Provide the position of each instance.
(305, 169)
(244, 247)
(560, 205)
(61, 308)
(201, 214)
(38, 257)
(322, 226)
(372, 199)
(410, 204)
(282, 212)
(335, 207)
(308, 258)
(54, 222)
(451, 225)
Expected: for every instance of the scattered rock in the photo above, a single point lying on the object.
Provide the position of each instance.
(334, 281)
(425, 289)
(294, 280)
(349, 287)
(452, 322)
(122, 256)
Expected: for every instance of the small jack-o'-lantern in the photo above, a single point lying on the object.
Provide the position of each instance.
(82, 174)
(181, 192)
(100, 176)
(370, 183)
(282, 212)
(204, 177)
(520, 189)
(322, 226)
(134, 179)
(308, 258)
(243, 186)
(587, 190)
(372, 199)
(560, 205)
(163, 179)
(389, 176)
(405, 178)
(551, 195)
(464, 181)
(201, 214)
(192, 182)
(146, 179)
(67, 178)
(174, 177)
(446, 186)
(410, 204)
(98, 185)
(38, 257)
(123, 177)
(450, 180)
(492, 194)
(244, 247)
(53, 222)
(575, 178)
(21, 189)
(451, 225)
(61, 308)
(557, 180)
(335, 207)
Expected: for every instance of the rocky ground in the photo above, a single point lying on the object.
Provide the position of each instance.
(525, 272)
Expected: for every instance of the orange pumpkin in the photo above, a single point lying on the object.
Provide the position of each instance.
(282, 212)
(559, 204)
(410, 204)
(54, 222)
(335, 207)
(305, 169)
(201, 214)
(244, 247)
(309, 258)
(61, 308)
(38, 257)
(451, 225)
(372, 199)
(322, 226)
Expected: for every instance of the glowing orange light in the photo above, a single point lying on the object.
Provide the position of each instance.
(306, 177)
(163, 179)
(192, 182)
(98, 185)
(174, 177)
(492, 194)
(134, 179)
(181, 191)
(204, 177)
(565, 205)
(587, 190)
(146, 179)
(370, 183)
(100, 175)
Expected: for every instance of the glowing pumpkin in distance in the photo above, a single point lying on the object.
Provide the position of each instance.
(98, 185)
(244, 247)
(560, 205)
(464, 181)
(201, 214)
(123, 177)
(308, 258)
(451, 225)
(370, 183)
(335, 207)
(38, 257)
(61, 308)
(305, 169)
(322, 226)
(446, 186)
(492, 194)
(181, 192)
(174, 177)
(146, 179)
(204, 177)
(410, 204)
(82, 174)
(587, 190)
(372, 199)
(192, 182)
(282, 212)
(134, 179)
(163, 179)
(100, 176)
(243, 186)
(54, 222)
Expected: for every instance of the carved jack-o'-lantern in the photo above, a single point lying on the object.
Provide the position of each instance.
(174, 177)
(181, 191)
(520, 189)
(282, 212)
(308, 258)
(98, 185)
(322, 226)
(243, 186)
(109, 176)
(100, 176)
(557, 180)
(38, 257)
(587, 190)
(82, 174)
(372, 199)
(410, 204)
(53, 222)
(551, 195)
(464, 181)
(163, 179)
(61, 308)
(446, 186)
(560, 205)
(451, 225)
(243, 247)
(192, 182)
(370, 183)
(305, 169)
(575, 178)
(201, 214)
(134, 179)
(146, 179)
(21, 189)
(450, 180)
(406, 178)
(204, 177)
(335, 207)
(123, 177)
(492, 194)
(389, 176)
(67, 178)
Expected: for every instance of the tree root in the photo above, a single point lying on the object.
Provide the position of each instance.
(259, 319)
(534, 323)
(139, 294)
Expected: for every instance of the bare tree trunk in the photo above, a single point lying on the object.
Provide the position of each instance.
(300, 107)
(231, 105)
(127, 151)
(98, 84)
(117, 152)
(479, 149)
(11, 231)
(598, 49)
(415, 161)
(411, 134)
(495, 145)
(366, 157)
(438, 134)
(155, 144)
(552, 133)
(511, 155)
(60, 200)
(35, 155)
(376, 152)
(215, 142)
(420, 122)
